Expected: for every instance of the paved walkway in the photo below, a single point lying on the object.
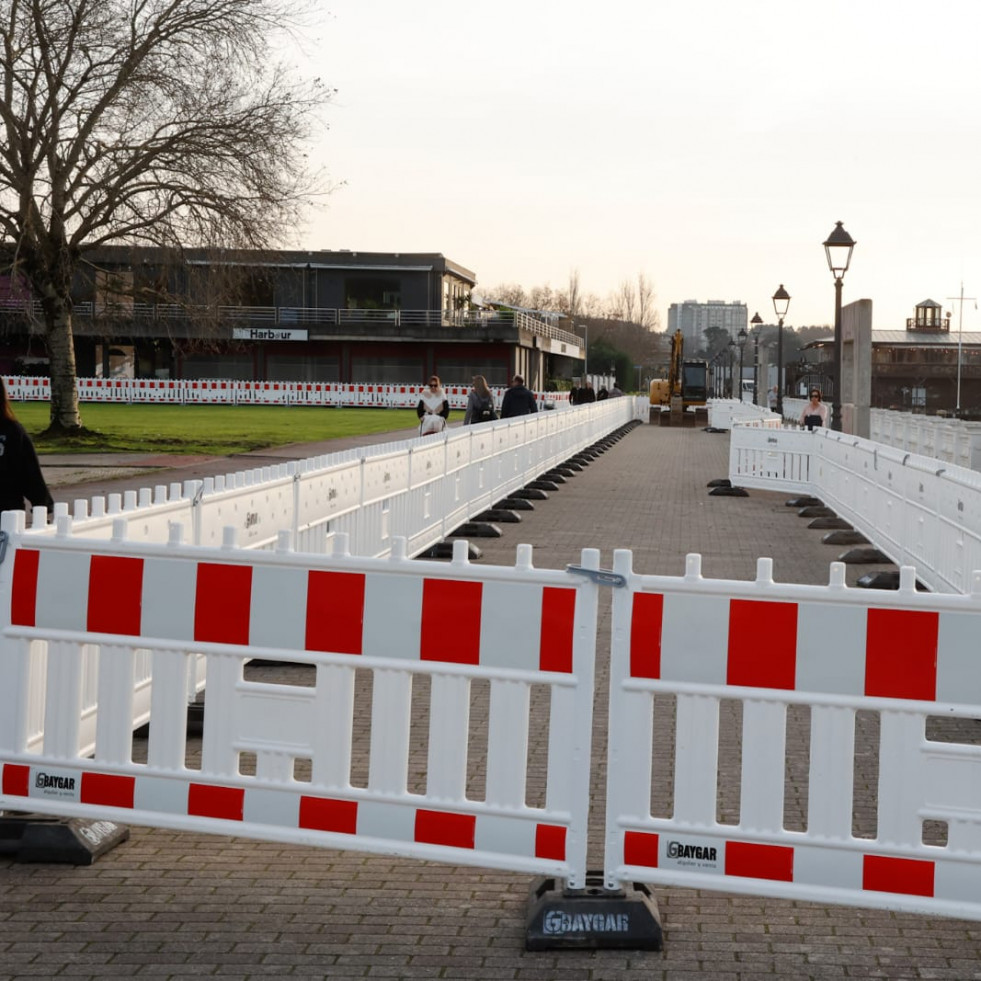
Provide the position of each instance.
(177, 905)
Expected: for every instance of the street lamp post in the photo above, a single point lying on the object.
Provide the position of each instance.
(732, 357)
(838, 249)
(781, 303)
(757, 323)
(742, 335)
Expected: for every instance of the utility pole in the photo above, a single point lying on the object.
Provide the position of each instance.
(960, 330)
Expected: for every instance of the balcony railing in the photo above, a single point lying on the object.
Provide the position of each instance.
(300, 316)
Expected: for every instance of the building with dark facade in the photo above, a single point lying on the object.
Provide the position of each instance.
(925, 368)
(286, 316)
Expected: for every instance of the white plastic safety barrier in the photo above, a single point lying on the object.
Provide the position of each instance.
(420, 489)
(804, 667)
(918, 511)
(435, 628)
(725, 413)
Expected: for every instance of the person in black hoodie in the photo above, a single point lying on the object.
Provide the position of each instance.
(20, 472)
(518, 400)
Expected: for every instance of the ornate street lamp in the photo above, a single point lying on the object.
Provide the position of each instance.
(781, 303)
(838, 248)
(757, 323)
(742, 335)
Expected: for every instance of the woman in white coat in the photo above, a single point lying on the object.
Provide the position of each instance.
(433, 409)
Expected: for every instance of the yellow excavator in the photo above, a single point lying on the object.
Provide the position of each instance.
(686, 384)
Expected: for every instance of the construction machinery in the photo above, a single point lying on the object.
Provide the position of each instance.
(686, 385)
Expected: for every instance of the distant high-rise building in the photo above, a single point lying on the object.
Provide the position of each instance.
(693, 318)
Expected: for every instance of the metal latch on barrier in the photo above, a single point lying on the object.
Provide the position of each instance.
(602, 577)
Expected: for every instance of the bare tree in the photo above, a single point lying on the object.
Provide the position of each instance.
(160, 122)
(542, 298)
(510, 294)
(573, 298)
(647, 315)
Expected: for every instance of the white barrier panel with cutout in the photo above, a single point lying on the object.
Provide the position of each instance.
(419, 629)
(796, 670)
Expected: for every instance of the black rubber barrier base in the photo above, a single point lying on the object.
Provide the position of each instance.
(592, 918)
(804, 502)
(478, 529)
(444, 550)
(845, 538)
(863, 556)
(729, 492)
(69, 841)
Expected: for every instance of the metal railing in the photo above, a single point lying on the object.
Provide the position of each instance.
(292, 316)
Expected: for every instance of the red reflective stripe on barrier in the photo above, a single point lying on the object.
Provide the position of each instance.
(335, 612)
(16, 780)
(909, 876)
(550, 841)
(115, 595)
(640, 848)
(23, 592)
(442, 828)
(451, 621)
(901, 653)
(215, 802)
(645, 635)
(749, 860)
(222, 603)
(558, 623)
(762, 644)
(107, 789)
(324, 814)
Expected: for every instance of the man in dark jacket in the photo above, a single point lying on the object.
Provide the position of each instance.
(518, 401)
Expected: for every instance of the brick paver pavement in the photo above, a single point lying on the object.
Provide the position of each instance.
(174, 905)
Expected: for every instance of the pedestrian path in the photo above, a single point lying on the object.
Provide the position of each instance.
(176, 906)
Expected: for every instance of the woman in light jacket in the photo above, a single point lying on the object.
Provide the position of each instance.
(433, 409)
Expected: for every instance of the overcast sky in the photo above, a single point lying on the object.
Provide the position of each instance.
(708, 144)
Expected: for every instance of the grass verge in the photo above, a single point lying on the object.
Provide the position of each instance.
(214, 430)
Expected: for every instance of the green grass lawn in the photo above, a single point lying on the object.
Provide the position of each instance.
(216, 430)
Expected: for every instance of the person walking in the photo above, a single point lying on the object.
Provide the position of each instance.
(480, 403)
(433, 408)
(20, 472)
(517, 401)
(587, 394)
(815, 413)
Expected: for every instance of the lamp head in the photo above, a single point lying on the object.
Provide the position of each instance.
(781, 302)
(838, 248)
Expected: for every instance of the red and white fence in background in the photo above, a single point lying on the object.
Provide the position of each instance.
(797, 670)
(229, 392)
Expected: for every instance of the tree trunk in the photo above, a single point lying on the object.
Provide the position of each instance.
(61, 354)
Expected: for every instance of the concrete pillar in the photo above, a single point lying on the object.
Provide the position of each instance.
(856, 367)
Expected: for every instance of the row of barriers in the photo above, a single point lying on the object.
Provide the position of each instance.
(420, 489)
(725, 413)
(809, 766)
(229, 392)
(917, 510)
(954, 441)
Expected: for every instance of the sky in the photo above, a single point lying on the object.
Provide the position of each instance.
(707, 144)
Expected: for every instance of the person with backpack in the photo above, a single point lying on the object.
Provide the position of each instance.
(480, 403)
